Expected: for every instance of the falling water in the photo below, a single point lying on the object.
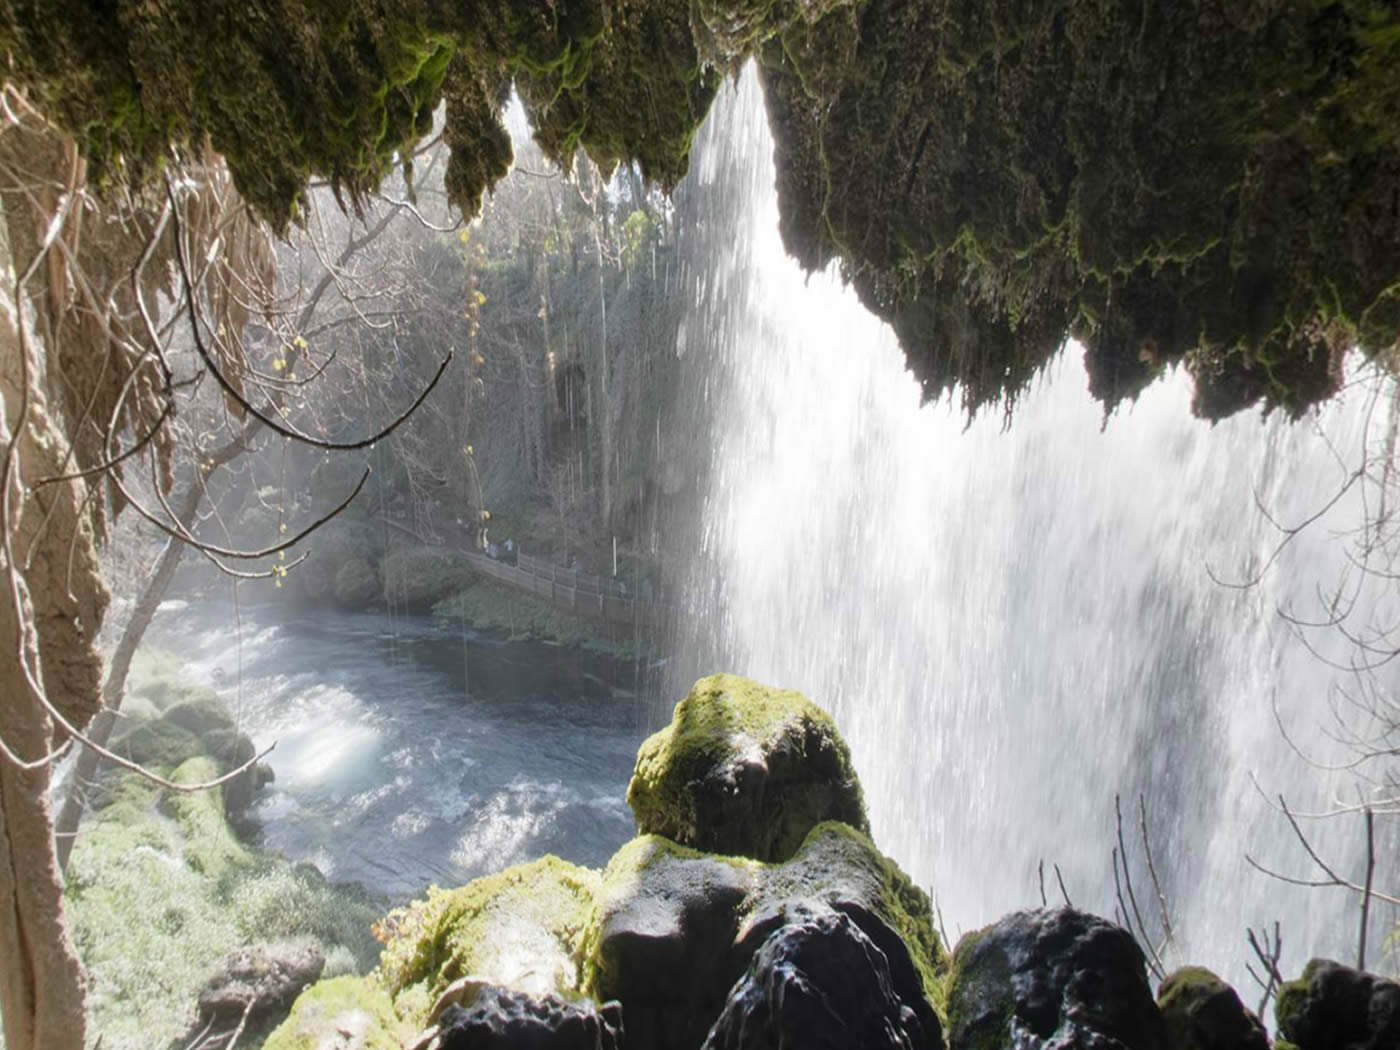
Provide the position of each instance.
(1012, 625)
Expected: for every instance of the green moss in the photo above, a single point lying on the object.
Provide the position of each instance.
(834, 850)
(521, 927)
(156, 744)
(686, 782)
(356, 1008)
(210, 847)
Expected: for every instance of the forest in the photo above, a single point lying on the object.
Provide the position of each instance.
(615, 523)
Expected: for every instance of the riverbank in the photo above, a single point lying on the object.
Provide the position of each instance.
(488, 606)
(161, 891)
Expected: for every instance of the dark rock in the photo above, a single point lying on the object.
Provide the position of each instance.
(1334, 1007)
(822, 984)
(503, 1019)
(263, 981)
(673, 929)
(1202, 1012)
(744, 770)
(1052, 980)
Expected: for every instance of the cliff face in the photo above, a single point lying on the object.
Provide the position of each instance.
(1215, 183)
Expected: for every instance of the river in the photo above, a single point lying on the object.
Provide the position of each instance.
(409, 752)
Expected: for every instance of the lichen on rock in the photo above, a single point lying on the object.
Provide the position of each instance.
(745, 770)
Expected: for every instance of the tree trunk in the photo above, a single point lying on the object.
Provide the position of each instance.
(51, 606)
(114, 691)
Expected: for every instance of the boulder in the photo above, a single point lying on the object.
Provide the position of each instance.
(674, 929)
(261, 982)
(499, 1018)
(521, 928)
(1202, 1012)
(744, 770)
(156, 744)
(344, 1013)
(1052, 980)
(822, 984)
(203, 714)
(1334, 1007)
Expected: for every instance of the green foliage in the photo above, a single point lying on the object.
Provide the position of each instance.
(417, 577)
(159, 892)
(486, 606)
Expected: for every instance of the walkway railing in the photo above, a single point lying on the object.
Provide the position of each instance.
(569, 589)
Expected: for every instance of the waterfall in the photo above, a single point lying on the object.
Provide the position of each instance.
(1014, 623)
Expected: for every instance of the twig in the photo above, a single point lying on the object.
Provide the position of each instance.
(1063, 892)
(1269, 960)
(1041, 871)
(1366, 892)
(1169, 936)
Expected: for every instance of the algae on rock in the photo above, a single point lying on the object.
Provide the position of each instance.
(746, 770)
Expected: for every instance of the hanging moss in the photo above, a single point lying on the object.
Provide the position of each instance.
(1212, 184)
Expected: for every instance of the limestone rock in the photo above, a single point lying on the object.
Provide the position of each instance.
(674, 929)
(822, 984)
(262, 981)
(1202, 1012)
(1334, 1007)
(502, 1019)
(744, 770)
(1052, 980)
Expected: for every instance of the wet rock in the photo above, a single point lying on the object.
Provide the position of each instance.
(503, 1019)
(1202, 1012)
(674, 929)
(1334, 1007)
(262, 982)
(1052, 980)
(744, 770)
(822, 984)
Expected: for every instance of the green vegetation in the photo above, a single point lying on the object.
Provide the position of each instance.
(487, 606)
(160, 891)
(415, 578)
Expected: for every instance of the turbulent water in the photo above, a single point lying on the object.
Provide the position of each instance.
(408, 753)
(1014, 625)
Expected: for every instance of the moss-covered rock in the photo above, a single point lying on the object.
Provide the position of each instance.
(1051, 978)
(745, 770)
(521, 928)
(344, 1013)
(155, 744)
(1336, 1007)
(416, 578)
(674, 928)
(1202, 1012)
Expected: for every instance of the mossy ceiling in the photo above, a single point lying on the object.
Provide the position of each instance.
(1214, 182)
